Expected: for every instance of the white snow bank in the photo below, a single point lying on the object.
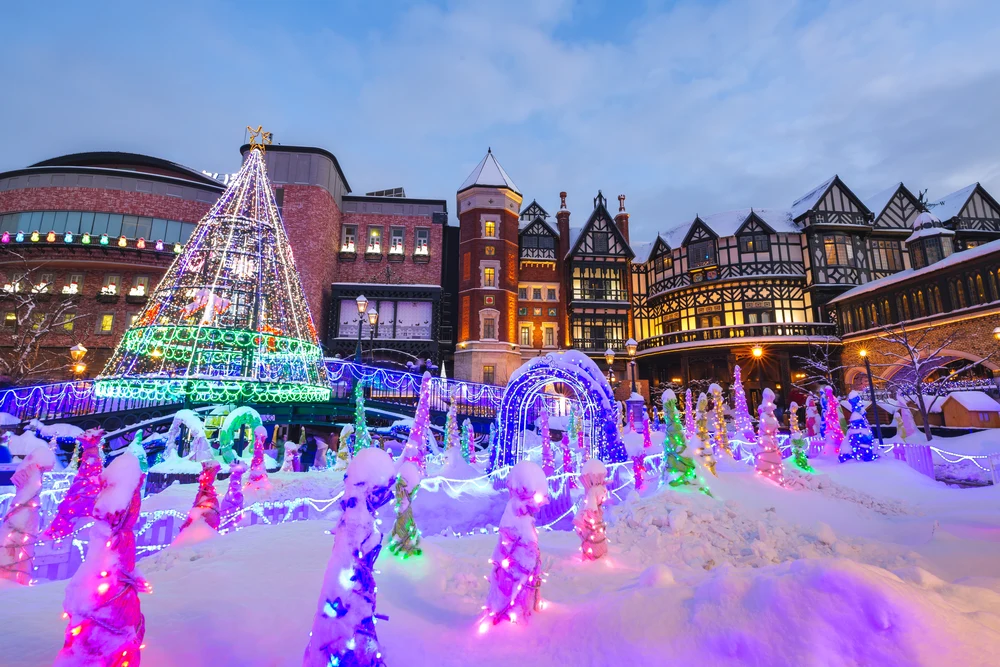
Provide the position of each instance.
(7, 419)
(22, 445)
(60, 431)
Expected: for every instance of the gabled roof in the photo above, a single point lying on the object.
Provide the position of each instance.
(534, 210)
(541, 221)
(809, 200)
(489, 174)
(728, 223)
(642, 251)
(878, 201)
(975, 401)
(598, 209)
(951, 205)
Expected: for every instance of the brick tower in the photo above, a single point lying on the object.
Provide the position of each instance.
(488, 208)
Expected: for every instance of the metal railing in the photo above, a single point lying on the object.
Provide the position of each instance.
(770, 330)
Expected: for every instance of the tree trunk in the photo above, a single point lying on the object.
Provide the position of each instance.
(923, 414)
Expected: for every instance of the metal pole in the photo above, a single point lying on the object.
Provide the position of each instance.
(871, 392)
(357, 352)
(633, 376)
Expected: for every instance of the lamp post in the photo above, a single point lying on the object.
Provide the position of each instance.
(630, 347)
(871, 393)
(77, 353)
(372, 323)
(362, 303)
(609, 356)
(757, 351)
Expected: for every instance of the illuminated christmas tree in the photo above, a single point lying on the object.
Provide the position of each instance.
(720, 436)
(405, 537)
(451, 435)
(362, 437)
(689, 425)
(137, 448)
(704, 450)
(680, 468)
(258, 473)
(858, 445)
(831, 421)
(79, 499)
(19, 531)
(468, 445)
(797, 439)
(742, 424)
(589, 519)
(416, 443)
(232, 502)
(768, 461)
(229, 322)
(206, 503)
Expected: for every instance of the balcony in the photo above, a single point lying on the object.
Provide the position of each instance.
(734, 334)
(589, 294)
(598, 345)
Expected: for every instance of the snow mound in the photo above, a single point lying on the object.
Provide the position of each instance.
(24, 444)
(656, 576)
(795, 479)
(527, 478)
(121, 477)
(7, 419)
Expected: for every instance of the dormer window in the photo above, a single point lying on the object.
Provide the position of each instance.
(754, 243)
(701, 254)
(838, 249)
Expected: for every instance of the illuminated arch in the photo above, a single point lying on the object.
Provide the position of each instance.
(591, 389)
(235, 420)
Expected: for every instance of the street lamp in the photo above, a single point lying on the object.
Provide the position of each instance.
(996, 333)
(77, 353)
(362, 303)
(372, 323)
(863, 353)
(757, 351)
(609, 356)
(630, 347)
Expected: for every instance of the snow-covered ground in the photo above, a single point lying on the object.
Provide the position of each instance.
(860, 564)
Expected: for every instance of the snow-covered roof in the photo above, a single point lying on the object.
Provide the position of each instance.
(810, 199)
(887, 406)
(975, 401)
(642, 250)
(951, 205)
(878, 201)
(574, 234)
(951, 260)
(921, 232)
(727, 223)
(489, 173)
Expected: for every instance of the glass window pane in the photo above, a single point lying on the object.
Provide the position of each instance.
(173, 232)
(100, 224)
(86, 223)
(128, 226)
(59, 224)
(186, 230)
(36, 221)
(73, 222)
(143, 227)
(159, 228)
(48, 219)
(115, 224)
(9, 223)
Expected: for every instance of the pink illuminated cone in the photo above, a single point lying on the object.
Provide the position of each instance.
(206, 503)
(79, 499)
(769, 462)
(19, 531)
(589, 519)
(232, 503)
(106, 625)
(258, 474)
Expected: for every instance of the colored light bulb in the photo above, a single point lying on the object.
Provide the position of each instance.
(159, 245)
(104, 239)
(85, 240)
(68, 237)
(35, 236)
(51, 237)
(140, 244)
(5, 238)
(122, 242)
(177, 248)
(20, 237)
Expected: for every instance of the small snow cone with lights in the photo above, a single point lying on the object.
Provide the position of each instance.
(79, 499)
(516, 577)
(106, 625)
(768, 455)
(589, 520)
(405, 539)
(229, 321)
(833, 434)
(204, 514)
(858, 444)
(797, 440)
(258, 480)
(19, 531)
(343, 631)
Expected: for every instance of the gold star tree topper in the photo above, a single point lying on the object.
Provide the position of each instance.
(259, 138)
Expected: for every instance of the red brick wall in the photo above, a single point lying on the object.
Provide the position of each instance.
(312, 221)
(407, 271)
(101, 201)
(473, 251)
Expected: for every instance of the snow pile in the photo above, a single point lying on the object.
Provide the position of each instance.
(823, 484)
(7, 419)
(22, 445)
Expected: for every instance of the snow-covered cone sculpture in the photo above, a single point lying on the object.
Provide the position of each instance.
(451, 436)
(20, 528)
(677, 469)
(416, 443)
(468, 442)
(343, 631)
(797, 439)
(720, 439)
(704, 449)
(139, 451)
(79, 499)
(290, 464)
(232, 502)
(545, 437)
(831, 422)
(257, 479)
(106, 625)
(859, 443)
(812, 417)
(206, 504)
(589, 519)
(768, 461)
(516, 577)
(405, 537)
(362, 436)
(689, 423)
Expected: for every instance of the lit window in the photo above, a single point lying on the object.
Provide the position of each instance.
(489, 374)
(525, 336)
(140, 286)
(536, 294)
(396, 246)
(349, 237)
(489, 277)
(489, 328)
(423, 241)
(67, 323)
(701, 254)
(490, 228)
(106, 324)
(110, 286)
(374, 240)
(10, 319)
(550, 337)
(74, 284)
(132, 318)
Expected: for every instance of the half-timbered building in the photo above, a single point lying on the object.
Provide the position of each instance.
(540, 294)
(971, 213)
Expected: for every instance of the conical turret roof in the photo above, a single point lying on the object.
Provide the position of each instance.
(229, 321)
(489, 174)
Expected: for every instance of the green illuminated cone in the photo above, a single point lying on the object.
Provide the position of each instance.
(229, 322)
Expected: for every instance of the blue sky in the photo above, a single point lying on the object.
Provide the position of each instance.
(686, 107)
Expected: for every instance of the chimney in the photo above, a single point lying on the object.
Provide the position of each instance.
(562, 225)
(622, 218)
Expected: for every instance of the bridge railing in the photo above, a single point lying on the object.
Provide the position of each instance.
(61, 400)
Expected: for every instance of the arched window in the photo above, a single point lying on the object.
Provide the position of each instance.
(886, 314)
(938, 306)
(874, 314)
(972, 292)
(981, 289)
(848, 320)
(921, 304)
(960, 293)
(906, 309)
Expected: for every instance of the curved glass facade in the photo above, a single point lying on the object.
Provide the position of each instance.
(95, 224)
